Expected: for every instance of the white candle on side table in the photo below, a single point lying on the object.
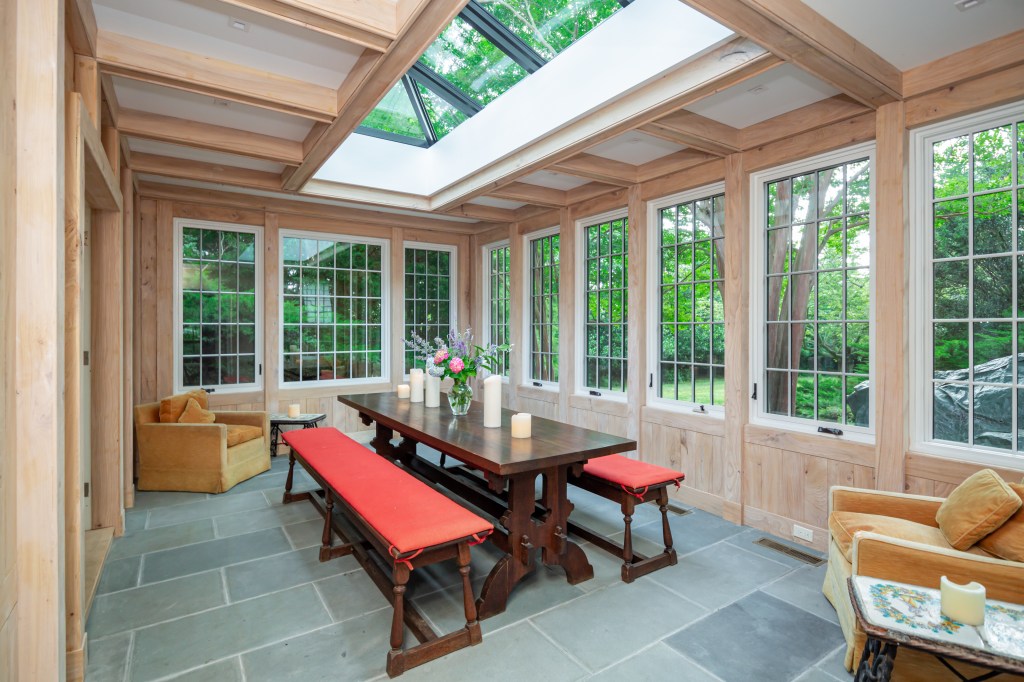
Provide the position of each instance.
(521, 425)
(416, 385)
(432, 389)
(293, 411)
(403, 391)
(963, 603)
(492, 401)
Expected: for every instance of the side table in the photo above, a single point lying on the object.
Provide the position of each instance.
(306, 421)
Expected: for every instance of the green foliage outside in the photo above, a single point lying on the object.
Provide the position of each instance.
(427, 296)
(544, 269)
(550, 26)
(500, 312)
(607, 304)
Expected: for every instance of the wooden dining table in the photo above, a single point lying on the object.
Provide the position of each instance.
(497, 475)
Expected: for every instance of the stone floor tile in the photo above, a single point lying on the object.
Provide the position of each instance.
(350, 595)
(608, 625)
(690, 532)
(134, 520)
(654, 663)
(802, 588)
(270, 479)
(815, 675)
(145, 541)
(108, 658)
(719, 574)
(759, 637)
(172, 563)
(749, 536)
(835, 664)
(146, 500)
(119, 574)
(271, 517)
(221, 671)
(154, 603)
(206, 508)
(278, 572)
(186, 643)
(305, 534)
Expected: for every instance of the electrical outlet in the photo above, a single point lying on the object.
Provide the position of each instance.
(801, 533)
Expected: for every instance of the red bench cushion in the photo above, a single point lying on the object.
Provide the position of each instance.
(406, 512)
(631, 473)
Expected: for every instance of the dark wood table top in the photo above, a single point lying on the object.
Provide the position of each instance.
(492, 450)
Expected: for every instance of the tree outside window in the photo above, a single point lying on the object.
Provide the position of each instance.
(543, 302)
(606, 293)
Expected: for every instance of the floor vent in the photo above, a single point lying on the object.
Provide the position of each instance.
(797, 554)
(678, 511)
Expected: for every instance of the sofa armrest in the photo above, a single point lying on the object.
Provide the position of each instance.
(917, 508)
(192, 446)
(260, 419)
(888, 558)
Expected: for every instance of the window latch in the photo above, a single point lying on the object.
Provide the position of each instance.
(537, 383)
(208, 390)
(592, 392)
(261, 369)
(650, 384)
(700, 409)
(754, 395)
(832, 431)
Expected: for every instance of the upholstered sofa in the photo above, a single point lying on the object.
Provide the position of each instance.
(200, 457)
(907, 546)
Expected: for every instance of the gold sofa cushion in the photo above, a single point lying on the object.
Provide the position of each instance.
(975, 508)
(844, 524)
(194, 414)
(1007, 541)
(242, 434)
(171, 407)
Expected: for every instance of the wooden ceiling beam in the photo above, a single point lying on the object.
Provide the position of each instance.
(673, 163)
(696, 131)
(973, 62)
(481, 212)
(186, 169)
(530, 194)
(351, 27)
(798, 34)
(419, 31)
(206, 136)
(598, 169)
(81, 26)
(140, 60)
(816, 115)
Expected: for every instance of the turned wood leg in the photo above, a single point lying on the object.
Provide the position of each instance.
(666, 530)
(325, 547)
(396, 659)
(287, 497)
(627, 539)
(468, 603)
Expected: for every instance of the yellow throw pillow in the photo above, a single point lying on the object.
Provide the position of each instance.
(975, 508)
(1007, 541)
(194, 414)
(172, 406)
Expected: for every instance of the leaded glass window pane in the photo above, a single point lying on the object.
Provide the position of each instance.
(500, 301)
(606, 305)
(543, 302)
(428, 296)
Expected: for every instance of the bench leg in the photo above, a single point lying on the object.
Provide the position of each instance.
(325, 545)
(396, 657)
(628, 507)
(666, 530)
(468, 602)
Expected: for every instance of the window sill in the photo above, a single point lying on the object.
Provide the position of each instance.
(613, 404)
(783, 437)
(711, 423)
(547, 394)
(953, 456)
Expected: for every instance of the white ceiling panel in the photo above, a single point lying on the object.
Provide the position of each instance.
(771, 94)
(909, 33)
(204, 155)
(156, 99)
(635, 147)
(546, 178)
(204, 27)
(497, 203)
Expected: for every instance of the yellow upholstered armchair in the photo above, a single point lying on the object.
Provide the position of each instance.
(198, 457)
(896, 537)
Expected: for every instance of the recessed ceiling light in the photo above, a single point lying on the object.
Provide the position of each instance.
(964, 5)
(734, 57)
(238, 24)
(757, 89)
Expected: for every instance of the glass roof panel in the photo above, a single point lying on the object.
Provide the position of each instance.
(443, 116)
(550, 26)
(472, 63)
(396, 115)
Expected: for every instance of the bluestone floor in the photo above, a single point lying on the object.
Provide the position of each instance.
(228, 587)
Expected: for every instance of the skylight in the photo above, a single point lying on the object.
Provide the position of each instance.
(487, 49)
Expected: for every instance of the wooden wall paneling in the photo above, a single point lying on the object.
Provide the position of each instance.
(35, 287)
(828, 447)
(965, 98)
(919, 486)
(271, 311)
(753, 476)
(677, 419)
(815, 487)
(164, 299)
(538, 408)
(128, 337)
(147, 275)
(218, 214)
(566, 311)
(136, 314)
(636, 328)
(952, 471)
(890, 280)
(782, 526)
(736, 299)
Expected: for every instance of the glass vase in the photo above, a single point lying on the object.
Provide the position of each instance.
(459, 397)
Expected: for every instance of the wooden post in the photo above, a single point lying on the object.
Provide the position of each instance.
(34, 292)
(891, 357)
(517, 327)
(636, 394)
(87, 83)
(271, 318)
(128, 331)
(164, 292)
(566, 307)
(738, 382)
(397, 301)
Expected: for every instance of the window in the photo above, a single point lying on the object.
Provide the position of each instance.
(690, 319)
(605, 303)
(497, 299)
(542, 264)
(216, 305)
(814, 354)
(970, 309)
(333, 310)
(429, 293)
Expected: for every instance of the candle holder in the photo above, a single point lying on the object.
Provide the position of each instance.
(962, 603)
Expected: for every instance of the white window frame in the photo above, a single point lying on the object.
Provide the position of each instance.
(257, 232)
(527, 351)
(921, 285)
(485, 302)
(453, 289)
(580, 326)
(385, 312)
(653, 322)
(758, 313)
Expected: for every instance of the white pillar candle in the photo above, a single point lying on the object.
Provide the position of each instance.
(963, 603)
(416, 385)
(432, 397)
(293, 411)
(492, 401)
(521, 425)
(403, 390)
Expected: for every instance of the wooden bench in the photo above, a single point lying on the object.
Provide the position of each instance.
(392, 523)
(629, 482)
